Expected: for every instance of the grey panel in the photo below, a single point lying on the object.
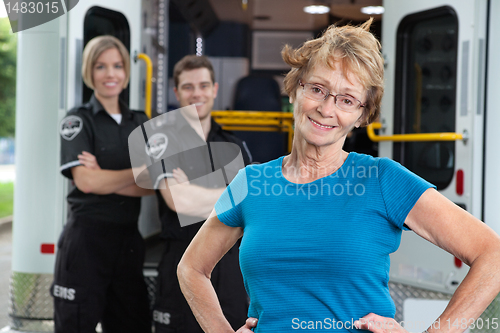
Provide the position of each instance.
(465, 78)
(62, 74)
(480, 86)
(149, 221)
(78, 73)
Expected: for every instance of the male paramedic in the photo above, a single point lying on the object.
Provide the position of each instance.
(193, 200)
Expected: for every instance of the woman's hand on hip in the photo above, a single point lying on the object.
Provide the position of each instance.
(249, 324)
(379, 324)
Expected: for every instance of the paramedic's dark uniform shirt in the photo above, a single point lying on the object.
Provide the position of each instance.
(185, 137)
(90, 128)
(200, 161)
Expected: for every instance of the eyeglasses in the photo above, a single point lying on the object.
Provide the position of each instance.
(319, 94)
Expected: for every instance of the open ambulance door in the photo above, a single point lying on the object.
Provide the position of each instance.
(435, 53)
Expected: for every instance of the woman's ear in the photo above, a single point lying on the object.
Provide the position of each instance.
(361, 120)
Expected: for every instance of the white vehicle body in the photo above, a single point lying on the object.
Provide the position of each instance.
(49, 84)
(423, 276)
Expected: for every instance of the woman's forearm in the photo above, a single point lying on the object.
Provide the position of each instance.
(210, 244)
(456, 231)
(202, 299)
(475, 293)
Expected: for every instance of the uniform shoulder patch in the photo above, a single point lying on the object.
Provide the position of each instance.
(157, 145)
(70, 127)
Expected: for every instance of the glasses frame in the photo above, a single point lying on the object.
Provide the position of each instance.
(303, 85)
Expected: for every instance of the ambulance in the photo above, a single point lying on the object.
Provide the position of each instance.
(439, 119)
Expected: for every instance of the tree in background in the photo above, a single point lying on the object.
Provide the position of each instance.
(8, 51)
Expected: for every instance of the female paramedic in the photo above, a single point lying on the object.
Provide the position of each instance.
(98, 274)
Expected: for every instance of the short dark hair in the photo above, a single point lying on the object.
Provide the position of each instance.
(190, 62)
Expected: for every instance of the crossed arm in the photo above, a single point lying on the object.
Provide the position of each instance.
(185, 198)
(190, 199)
(90, 178)
(433, 217)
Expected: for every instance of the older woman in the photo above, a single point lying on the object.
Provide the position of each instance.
(98, 274)
(319, 224)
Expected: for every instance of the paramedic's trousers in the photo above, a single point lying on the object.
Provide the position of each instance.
(173, 314)
(98, 278)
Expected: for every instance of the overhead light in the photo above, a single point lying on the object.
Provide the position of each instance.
(317, 9)
(372, 10)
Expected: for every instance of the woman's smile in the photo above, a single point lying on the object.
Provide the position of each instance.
(321, 126)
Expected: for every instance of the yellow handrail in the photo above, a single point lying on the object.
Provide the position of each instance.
(410, 137)
(256, 121)
(149, 77)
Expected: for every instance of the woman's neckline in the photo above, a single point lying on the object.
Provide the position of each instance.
(281, 159)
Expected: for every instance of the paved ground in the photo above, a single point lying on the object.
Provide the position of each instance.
(5, 269)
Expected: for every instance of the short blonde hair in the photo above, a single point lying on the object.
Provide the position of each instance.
(94, 48)
(355, 48)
